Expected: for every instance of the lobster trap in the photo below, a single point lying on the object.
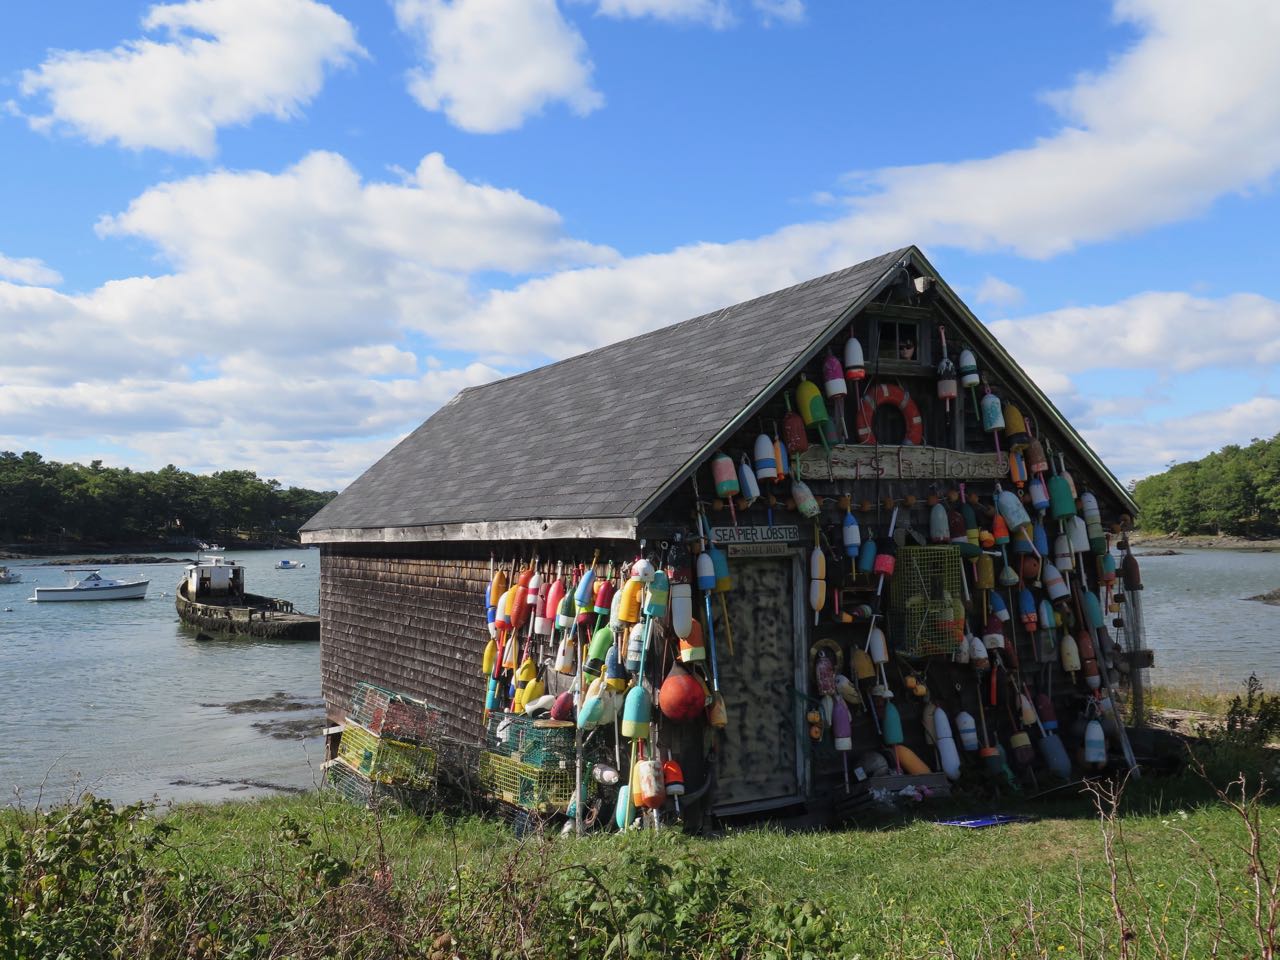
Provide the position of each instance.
(385, 760)
(511, 781)
(352, 785)
(385, 713)
(538, 743)
(927, 597)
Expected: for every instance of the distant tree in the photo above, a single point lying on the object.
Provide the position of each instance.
(45, 501)
(1235, 490)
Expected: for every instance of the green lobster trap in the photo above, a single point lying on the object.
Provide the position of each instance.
(387, 713)
(926, 594)
(352, 785)
(538, 743)
(385, 760)
(524, 785)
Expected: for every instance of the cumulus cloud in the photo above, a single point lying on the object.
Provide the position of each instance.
(1182, 117)
(221, 62)
(717, 13)
(998, 293)
(1158, 329)
(27, 270)
(292, 309)
(489, 64)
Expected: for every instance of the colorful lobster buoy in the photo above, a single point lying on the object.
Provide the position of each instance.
(764, 460)
(692, 647)
(1093, 523)
(1054, 585)
(969, 376)
(1062, 502)
(967, 728)
(946, 744)
(806, 503)
(1016, 434)
(1046, 640)
(817, 581)
(867, 556)
(834, 386)
(851, 534)
(1027, 610)
(813, 410)
(1069, 651)
(855, 366)
(1095, 744)
(725, 476)
(673, 776)
(939, 524)
(681, 697)
(747, 482)
(992, 416)
(1038, 494)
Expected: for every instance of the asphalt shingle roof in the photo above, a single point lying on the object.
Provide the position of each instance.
(596, 435)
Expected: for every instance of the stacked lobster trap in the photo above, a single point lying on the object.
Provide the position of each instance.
(389, 749)
(528, 763)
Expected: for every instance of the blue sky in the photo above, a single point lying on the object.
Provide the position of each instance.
(277, 234)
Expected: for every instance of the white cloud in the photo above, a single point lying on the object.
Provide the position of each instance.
(717, 13)
(1184, 116)
(1135, 450)
(294, 313)
(1155, 330)
(998, 293)
(222, 62)
(788, 11)
(28, 270)
(490, 64)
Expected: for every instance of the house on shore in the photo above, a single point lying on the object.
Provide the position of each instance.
(858, 449)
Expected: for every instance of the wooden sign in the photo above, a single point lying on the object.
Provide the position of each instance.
(786, 533)
(759, 549)
(865, 462)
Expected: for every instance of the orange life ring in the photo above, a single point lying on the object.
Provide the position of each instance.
(883, 393)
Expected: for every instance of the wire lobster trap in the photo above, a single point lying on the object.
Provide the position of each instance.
(386, 760)
(541, 789)
(386, 713)
(352, 785)
(539, 743)
(927, 597)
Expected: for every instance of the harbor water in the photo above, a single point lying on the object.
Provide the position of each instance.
(119, 698)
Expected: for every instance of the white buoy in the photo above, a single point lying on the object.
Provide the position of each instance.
(967, 728)
(946, 744)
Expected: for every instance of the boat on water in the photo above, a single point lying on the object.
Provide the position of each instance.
(290, 565)
(212, 598)
(210, 547)
(8, 576)
(85, 583)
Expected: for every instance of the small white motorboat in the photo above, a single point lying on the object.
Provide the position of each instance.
(85, 584)
(289, 565)
(8, 576)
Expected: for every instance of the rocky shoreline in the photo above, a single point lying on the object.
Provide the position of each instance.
(123, 559)
(1171, 541)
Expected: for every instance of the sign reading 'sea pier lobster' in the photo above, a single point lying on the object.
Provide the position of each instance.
(757, 541)
(858, 462)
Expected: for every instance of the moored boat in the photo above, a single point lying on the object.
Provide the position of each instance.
(87, 584)
(211, 597)
(289, 565)
(8, 576)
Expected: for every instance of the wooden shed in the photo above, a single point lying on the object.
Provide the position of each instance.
(626, 451)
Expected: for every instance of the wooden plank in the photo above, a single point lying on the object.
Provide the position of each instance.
(866, 462)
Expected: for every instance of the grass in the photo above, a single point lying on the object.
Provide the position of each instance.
(1211, 701)
(1173, 877)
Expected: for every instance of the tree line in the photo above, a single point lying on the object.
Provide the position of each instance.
(43, 501)
(1234, 491)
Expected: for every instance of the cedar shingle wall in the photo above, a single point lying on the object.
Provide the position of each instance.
(410, 617)
(413, 624)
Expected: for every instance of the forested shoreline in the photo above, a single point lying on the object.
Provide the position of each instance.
(1234, 491)
(44, 502)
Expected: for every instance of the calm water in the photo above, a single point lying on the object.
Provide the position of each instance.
(118, 698)
(1202, 630)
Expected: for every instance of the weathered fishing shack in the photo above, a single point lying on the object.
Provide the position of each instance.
(871, 541)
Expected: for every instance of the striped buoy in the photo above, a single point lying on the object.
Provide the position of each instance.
(747, 482)
(968, 369)
(851, 534)
(806, 503)
(855, 366)
(763, 459)
(725, 476)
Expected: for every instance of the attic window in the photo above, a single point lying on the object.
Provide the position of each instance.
(900, 340)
